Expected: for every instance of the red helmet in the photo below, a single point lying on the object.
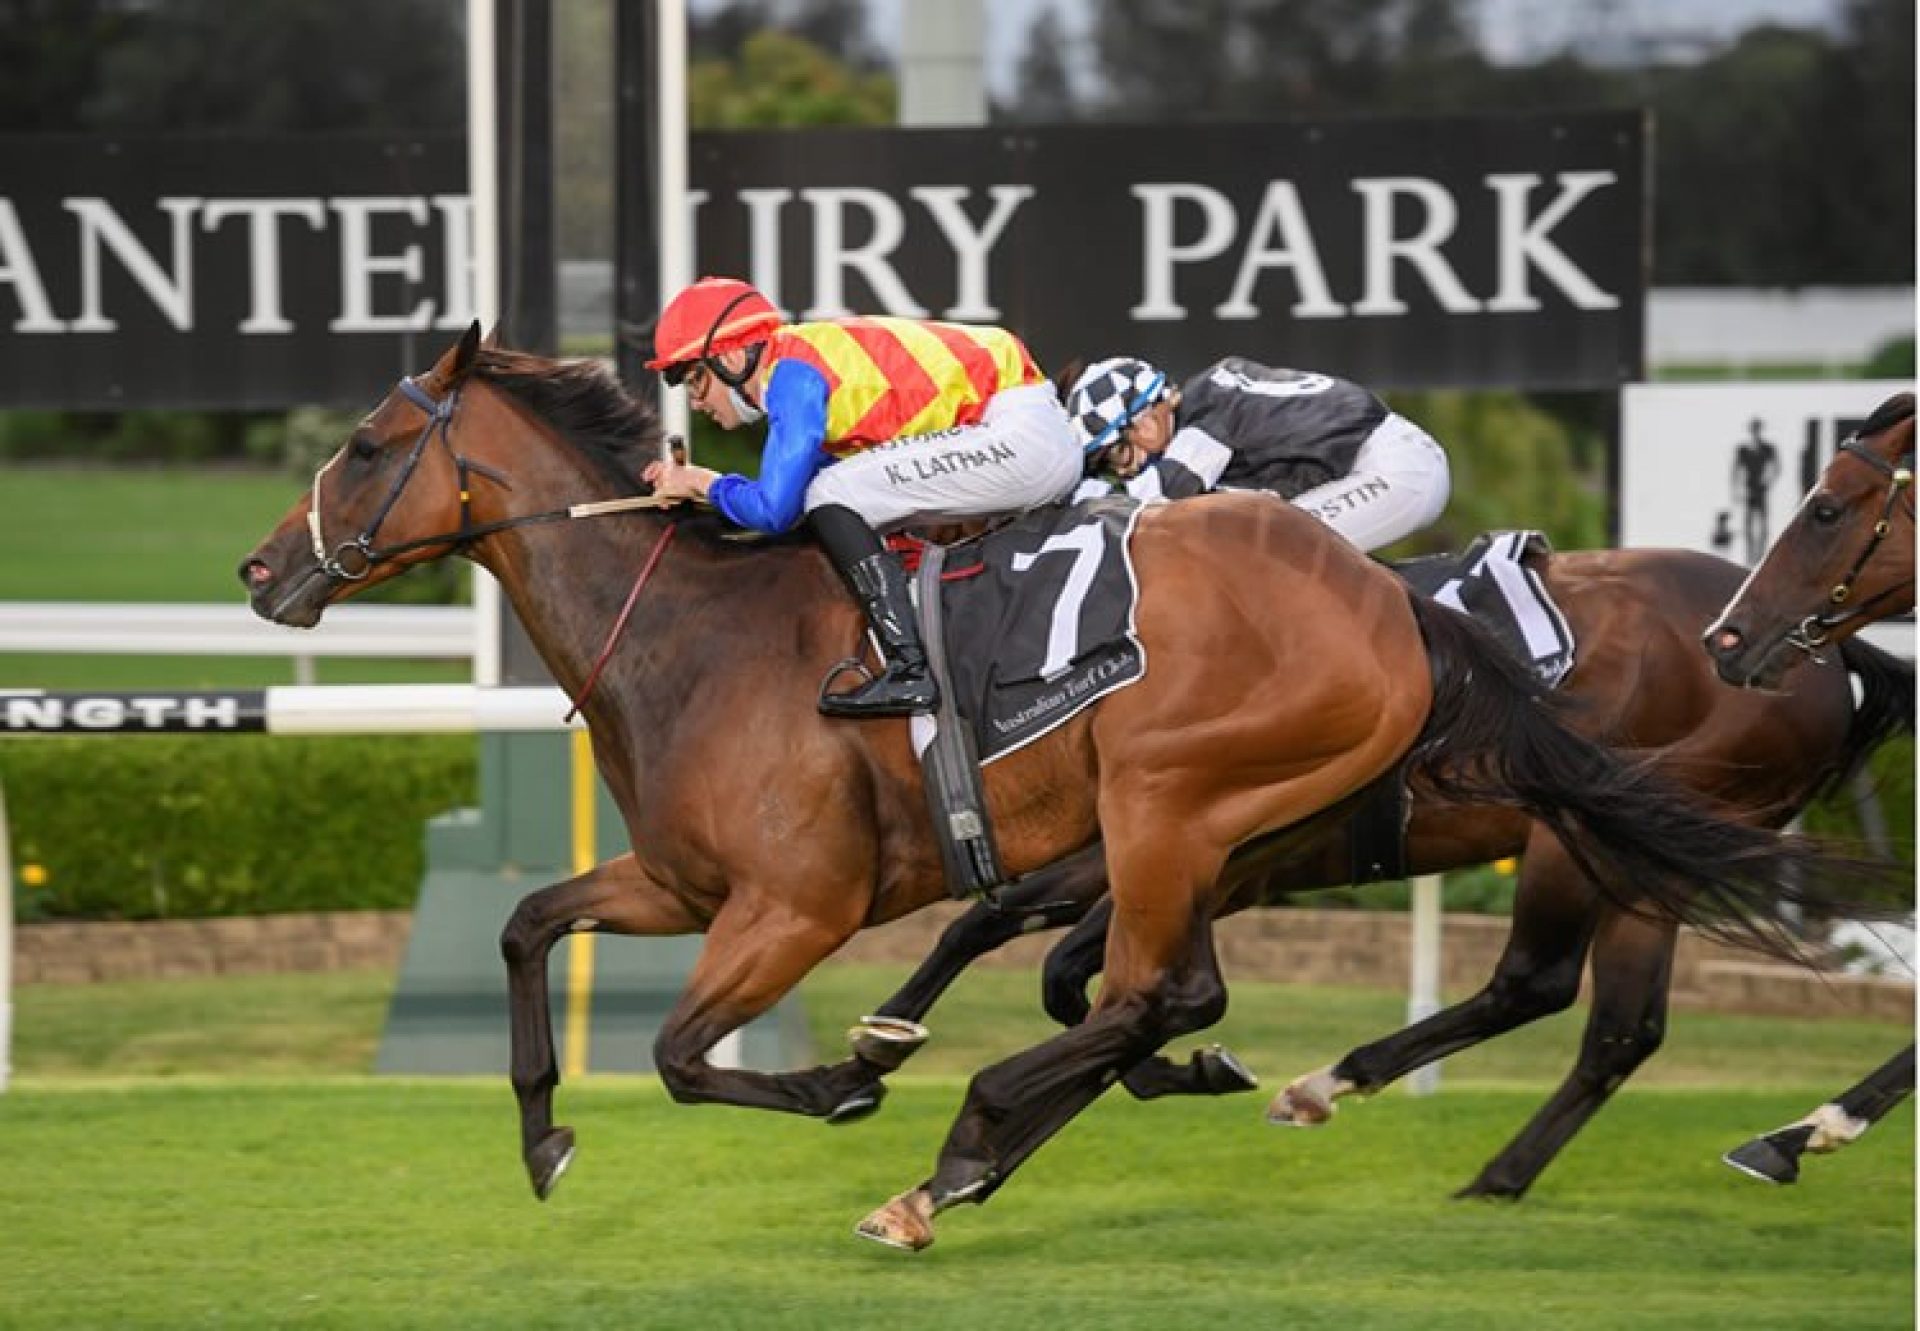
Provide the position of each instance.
(713, 315)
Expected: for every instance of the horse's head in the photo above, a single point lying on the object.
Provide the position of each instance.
(1844, 561)
(397, 478)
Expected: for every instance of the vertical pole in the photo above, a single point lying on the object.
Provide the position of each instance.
(1423, 988)
(580, 946)
(483, 196)
(942, 64)
(676, 229)
(6, 948)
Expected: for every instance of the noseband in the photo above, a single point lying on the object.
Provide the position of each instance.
(1816, 629)
(353, 560)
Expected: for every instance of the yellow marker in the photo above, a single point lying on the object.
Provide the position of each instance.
(1509, 866)
(573, 1061)
(33, 875)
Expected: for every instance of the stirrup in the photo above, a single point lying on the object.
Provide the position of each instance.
(883, 695)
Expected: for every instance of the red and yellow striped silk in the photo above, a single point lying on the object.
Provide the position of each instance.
(893, 378)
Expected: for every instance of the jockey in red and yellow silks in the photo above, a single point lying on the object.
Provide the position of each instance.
(872, 423)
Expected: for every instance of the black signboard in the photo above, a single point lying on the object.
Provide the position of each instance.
(1487, 251)
(227, 272)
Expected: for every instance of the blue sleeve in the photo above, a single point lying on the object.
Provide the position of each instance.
(796, 428)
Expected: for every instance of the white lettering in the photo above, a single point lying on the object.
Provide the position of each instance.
(17, 267)
(1159, 254)
(359, 265)
(33, 714)
(832, 257)
(99, 225)
(1524, 243)
(1421, 250)
(456, 214)
(263, 251)
(763, 239)
(215, 713)
(971, 248)
(1280, 211)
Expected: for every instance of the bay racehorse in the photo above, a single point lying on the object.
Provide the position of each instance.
(1288, 672)
(1640, 683)
(1843, 562)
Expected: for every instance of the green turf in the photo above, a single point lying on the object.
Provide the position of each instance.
(187, 1154)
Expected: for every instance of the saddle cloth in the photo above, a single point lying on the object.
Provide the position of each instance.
(1039, 620)
(1492, 581)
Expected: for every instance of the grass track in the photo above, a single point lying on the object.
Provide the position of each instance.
(189, 1154)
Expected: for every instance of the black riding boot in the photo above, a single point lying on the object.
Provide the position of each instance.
(878, 582)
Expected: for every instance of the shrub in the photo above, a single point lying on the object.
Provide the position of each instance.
(172, 826)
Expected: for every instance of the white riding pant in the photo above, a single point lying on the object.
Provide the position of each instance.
(1019, 455)
(1399, 483)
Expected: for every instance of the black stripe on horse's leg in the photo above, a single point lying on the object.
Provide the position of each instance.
(614, 897)
(1775, 1157)
(1538, 974)
(750, 961)
(1632, 973)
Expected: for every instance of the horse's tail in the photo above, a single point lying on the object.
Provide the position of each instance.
(1885, 708)
(1496, 735)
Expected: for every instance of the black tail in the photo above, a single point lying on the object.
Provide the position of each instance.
(1885, 708)
(1496, 736)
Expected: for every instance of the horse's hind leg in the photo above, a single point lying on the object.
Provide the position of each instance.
(1775, 1157)
(1073, 963)
(616, 897)
(1632, 972)
(1162, 980)
(1538, 974)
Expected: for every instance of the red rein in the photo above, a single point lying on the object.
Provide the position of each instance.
(620, 623)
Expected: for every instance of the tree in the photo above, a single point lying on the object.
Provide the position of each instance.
(291, 66)
(50, 57)
(1045, 87)
(779, 79)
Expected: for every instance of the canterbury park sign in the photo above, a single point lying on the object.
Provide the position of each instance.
(244, 273)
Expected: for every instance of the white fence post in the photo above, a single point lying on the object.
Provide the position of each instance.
(1423, 987)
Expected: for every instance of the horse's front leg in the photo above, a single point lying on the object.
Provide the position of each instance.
(757, 948)
(615, 897)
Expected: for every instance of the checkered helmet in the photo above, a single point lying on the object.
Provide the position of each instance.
(1108, 395)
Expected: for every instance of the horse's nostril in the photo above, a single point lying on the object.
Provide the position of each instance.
(1726, 640)
(255, 573)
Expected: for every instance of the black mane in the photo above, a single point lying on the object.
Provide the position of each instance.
(583, 401)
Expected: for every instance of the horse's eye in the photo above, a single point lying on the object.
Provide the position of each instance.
(363, 449)
(1826, 512)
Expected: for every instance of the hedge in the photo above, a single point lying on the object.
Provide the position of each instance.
(163, 826)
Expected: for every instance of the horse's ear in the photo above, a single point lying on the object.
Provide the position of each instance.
(462, 359)
(1063, 384)
(492, 338)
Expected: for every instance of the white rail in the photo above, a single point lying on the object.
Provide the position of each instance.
(171, 629)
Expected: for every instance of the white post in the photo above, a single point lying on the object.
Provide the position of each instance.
(6, 948)
(675, 219)
(1423, 988)
(483, 197)
(943, 63)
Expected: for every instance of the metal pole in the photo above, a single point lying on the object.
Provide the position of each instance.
(942, 63)
(1423, 988)
(483, 197)
(6, 948)
(676, 222)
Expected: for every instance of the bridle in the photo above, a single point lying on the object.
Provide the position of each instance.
(1816, 630)
(361, 548)
(367, 555)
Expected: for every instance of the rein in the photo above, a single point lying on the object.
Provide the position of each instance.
(439, 424)
(1816, 629)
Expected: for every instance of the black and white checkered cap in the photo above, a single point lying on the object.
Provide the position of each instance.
(1108, 395)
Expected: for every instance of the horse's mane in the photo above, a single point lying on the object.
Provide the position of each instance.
(583, 401)
(1889, 414)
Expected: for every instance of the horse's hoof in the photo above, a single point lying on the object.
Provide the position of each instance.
(886, 1042)
(548, 1160)
(1769, 1159)
(1224, 1073)
(858, 1105)
(1483, 1191)
(1298, 1107)
(905, 1223)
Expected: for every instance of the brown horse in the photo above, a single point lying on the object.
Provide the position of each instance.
(1640, 682)
(1843, 562)
(779, 833)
